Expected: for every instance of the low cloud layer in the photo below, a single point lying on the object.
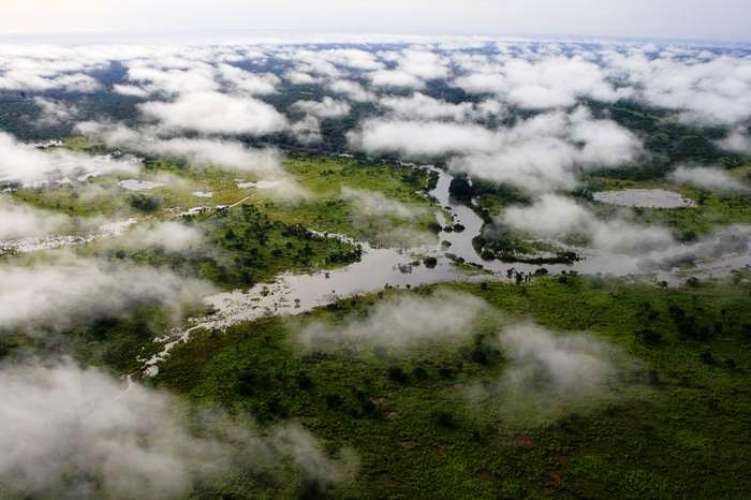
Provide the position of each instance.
(69, 289)
(169, 236)
(216, 113)
(553, 82)
(553, 216)
(30, 166)
(539, 154)
(549, 374)
(737, 141)
(712, 179)
(376, 204)
(21, 221)
(197, 151)
(400, 323)
(385, 221)
(326, 108)
(75, 433)
(630, 245)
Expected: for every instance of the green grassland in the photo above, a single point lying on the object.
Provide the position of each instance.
(321, 177)
(679, 429)
(324, 177)
(246, 247)
(712, 209)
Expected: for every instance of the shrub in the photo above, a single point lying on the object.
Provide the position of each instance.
(396, 374)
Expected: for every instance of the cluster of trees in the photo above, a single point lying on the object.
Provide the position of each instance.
(259, 247)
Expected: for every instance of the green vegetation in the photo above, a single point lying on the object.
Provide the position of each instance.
(321, 207)
(325, 177)
(712, 209)
(679, 431)
(254, 248)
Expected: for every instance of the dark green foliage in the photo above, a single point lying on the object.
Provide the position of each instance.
(430, 262)
(417, 434)
(460, 189)
(145, 203)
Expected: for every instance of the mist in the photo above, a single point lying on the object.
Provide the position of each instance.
(79, 433)
(401, 324)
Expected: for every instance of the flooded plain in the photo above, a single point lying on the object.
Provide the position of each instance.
(406, 267)
(52, 242)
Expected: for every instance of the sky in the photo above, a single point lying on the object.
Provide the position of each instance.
(725, 20)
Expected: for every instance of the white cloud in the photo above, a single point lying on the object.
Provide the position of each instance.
(713, 179)
(549, 373)
(245, 82)
(415, 138)
(546, 152)
(554, 216)
(197, 151)
(420, 106)
(70, 289)
(539, 154)
(376, 204)
(550, 83)
(77, 433)
(307, 130)
(395, 78)
(326, 108)
(352, 90)
(170, 236)
(216, 113)
(423, 64)
(27, 74)
(199, 77)
(402, 323)
(30, 166)
(130, 90)
(353, 58)
(300, 78)
(717, 91)
(738, 141)
(54, 112)
(21, 221)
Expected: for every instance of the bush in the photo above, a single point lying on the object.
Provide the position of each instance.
(445, 419)
(145, 203)
(333, 401)
(396, 374)
(420, 373)
(649, 336)
(460, 189)
(303, 381)
(707, 358)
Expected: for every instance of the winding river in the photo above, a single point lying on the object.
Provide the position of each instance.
(388, 267)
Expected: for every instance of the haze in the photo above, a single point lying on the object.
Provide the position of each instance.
(674, 19)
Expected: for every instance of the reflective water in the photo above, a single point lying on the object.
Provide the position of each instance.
(51, 242)
(379, 268)
(644, 198)
(139, 185)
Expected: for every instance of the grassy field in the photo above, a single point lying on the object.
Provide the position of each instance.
(712, 209)
(322, 179)
(678, 429)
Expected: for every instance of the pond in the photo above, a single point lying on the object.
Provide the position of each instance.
(139, 185)
(644, 198)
